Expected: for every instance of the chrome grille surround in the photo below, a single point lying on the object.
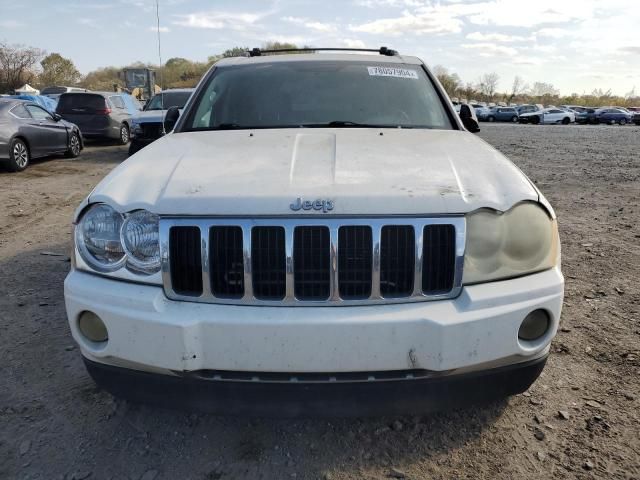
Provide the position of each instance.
(333, 224)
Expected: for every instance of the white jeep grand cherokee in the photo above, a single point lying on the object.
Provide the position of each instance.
(320, 234)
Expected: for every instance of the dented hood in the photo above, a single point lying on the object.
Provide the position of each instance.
(361, 171)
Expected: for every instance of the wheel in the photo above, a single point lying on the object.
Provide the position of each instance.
(566, 121)
(491, 119)
(622, 121)
(514, 119)
(18, 155)
(74, 146)
(124, 134)
(535, 120)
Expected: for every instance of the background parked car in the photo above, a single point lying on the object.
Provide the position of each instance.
(573, 108)
(548, 115)
(587, 116)
(100, 114)
(49, 104)
(527, 109)
(28, 131)
(502, 114)
(482, 112)
(613, 115)
(146, 126)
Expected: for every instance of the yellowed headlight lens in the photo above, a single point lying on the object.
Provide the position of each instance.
(520, 241)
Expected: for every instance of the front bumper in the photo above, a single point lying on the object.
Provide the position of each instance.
(138, 143)
(296, 399)
(478, 330)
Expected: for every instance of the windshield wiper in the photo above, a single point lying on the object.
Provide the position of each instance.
(348, 123)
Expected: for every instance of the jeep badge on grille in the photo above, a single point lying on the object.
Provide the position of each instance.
(324, 205)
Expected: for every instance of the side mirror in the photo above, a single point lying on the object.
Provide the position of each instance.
(170, 118)
(56, 117)
(469, 119)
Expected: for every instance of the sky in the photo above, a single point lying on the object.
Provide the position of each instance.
(577, 45)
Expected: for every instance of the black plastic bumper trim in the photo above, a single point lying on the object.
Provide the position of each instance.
(376, 398)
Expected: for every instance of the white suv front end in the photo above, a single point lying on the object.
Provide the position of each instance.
(300, 263)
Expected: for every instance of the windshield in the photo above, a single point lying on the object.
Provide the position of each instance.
(318, 94)
(163, 101)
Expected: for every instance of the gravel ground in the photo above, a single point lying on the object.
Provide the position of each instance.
(579, 420)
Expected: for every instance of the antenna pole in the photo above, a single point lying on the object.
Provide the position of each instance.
(153, 87)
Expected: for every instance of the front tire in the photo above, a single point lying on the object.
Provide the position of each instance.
(74, 146)
(535, 120)
(623, 121)
(491, 119)
(124, 134)
(514, 119)
(19, 156)
(566, 121)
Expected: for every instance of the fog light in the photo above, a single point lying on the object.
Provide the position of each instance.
(92, 327)
(534, 325)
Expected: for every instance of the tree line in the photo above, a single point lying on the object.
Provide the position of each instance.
(20, 64)
(485, 89)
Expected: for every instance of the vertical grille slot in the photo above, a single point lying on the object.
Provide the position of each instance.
(186, 260)
(311, 263)
(439, 257)
(226, 260)
(354, 262)
(268, 263)
(397, 260)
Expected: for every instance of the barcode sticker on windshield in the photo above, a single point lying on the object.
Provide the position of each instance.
(392, 72)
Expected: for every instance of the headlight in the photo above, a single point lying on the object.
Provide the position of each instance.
(136, 129)
(98, 238)
(521, 241)
(108, 240)
(140, 239)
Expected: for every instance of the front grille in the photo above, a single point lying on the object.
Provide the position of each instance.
(151, 130)
(311, 268)
(226, 260)
(397, 260)
(186, 260)
(317, 261)
(439, 259)
(355, 259)
(268, 262)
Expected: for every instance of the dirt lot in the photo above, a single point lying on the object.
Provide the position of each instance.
(580, 420)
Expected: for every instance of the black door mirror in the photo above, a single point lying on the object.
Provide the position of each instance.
(170, 118)
(469, 119)
(56, 117)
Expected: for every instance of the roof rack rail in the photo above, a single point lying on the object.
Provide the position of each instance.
(256, 52)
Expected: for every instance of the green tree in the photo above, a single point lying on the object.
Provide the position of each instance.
(102, 79)
(57, 70)
(235, 52)
(278, 46)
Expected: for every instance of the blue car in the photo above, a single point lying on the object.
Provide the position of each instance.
(613, 115)
(502, 114)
